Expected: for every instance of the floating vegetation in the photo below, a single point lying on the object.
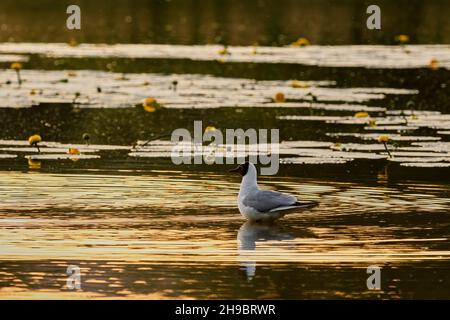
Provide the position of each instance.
(192, 91)
(224, 51)
(299, 84)
(327, 102)
(326, 107)
(61, 157)
(374, 136)
(433, 146)
(434, 64)
(150, 104)
(279, 97)
(300, 42)
(362, 114)
(13, 58)
(73, 151)
(7, 156)
(313, 160)
(369, 56)
(402, 38)
(49, 147)
(390, 128)
(426, 165)
(426, 159)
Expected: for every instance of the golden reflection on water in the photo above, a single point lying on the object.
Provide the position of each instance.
(113, 222)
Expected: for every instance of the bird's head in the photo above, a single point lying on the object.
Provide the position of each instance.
(244, 168)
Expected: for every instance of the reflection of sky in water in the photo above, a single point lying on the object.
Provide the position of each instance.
(176, 219)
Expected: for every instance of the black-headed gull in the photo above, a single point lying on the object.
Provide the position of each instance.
(264, 205)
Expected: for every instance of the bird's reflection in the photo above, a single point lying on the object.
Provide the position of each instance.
(250, 234)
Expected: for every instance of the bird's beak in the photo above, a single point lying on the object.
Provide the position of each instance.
(237, 169)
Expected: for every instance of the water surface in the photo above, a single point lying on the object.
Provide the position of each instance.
(177, 234)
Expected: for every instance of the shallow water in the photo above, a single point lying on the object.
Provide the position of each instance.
(175, 234)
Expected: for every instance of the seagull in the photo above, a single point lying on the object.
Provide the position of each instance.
(264, 205)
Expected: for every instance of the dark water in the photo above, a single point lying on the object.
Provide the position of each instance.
(233, 22)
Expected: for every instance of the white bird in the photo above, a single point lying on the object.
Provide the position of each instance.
(264, 205)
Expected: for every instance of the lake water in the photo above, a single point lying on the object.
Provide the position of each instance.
(175, 234)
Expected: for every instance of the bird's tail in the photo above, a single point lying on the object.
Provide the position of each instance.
(296, 206)
(306, 204)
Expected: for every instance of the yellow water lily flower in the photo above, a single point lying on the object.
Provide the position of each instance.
(301, 42)
(150, 104)
(73, 43)
(383, 138)
(34, 139)
(299, 84)
(279, 97)
(16, 66)
(402, 38)
(210, 129)
(223, 51)
(361, 114)
(434, 64)
(74, 151)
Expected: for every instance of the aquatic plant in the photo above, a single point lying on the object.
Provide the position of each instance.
(434, 64)
(73, 43)
(362, 114)
(34, 140)
(150, 104)
(174, 85)
(255, 49)
(384, 139)
(402, 39)
(17, 66)
(224, 51)
(279, 97)
(77, 95)
(86, 137)
(299, 84)
(210, 129)
(73, 151)
(301, 42)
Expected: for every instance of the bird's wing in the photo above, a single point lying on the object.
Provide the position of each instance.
(267, 200)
